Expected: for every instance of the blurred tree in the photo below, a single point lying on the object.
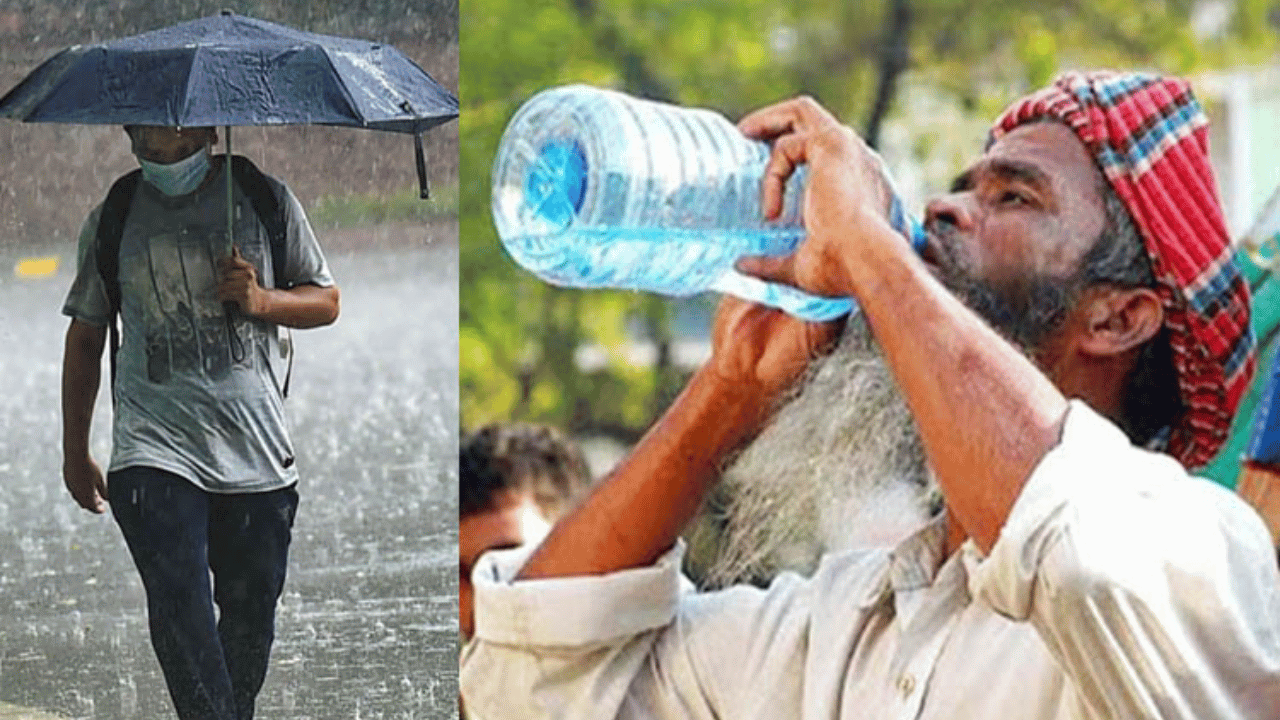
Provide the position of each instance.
(520, 337)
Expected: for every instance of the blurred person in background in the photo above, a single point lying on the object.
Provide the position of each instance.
(1072, 344)
(1259, 485)
(515, 480)
(202, 476)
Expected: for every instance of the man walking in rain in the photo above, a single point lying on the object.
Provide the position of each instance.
(202, 476)
(1074, 341)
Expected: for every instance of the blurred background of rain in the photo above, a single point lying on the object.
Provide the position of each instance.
(367, 624)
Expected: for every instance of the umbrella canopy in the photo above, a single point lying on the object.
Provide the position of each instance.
(232, 70)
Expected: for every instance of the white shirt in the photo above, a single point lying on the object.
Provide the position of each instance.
(1120, 587)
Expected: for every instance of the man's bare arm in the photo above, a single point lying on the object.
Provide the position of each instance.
(636, 513)
(986, 414)
(304, 306)
(81, 375)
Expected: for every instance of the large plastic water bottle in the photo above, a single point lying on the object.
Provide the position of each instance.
(593, 188)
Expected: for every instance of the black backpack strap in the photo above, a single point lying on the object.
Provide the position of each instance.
(115, 210)
(270, 209)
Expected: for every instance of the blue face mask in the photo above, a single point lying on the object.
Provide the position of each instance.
(177, 178)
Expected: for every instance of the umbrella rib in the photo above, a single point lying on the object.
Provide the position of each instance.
(186, 91)
(62, 78)
(342, 85)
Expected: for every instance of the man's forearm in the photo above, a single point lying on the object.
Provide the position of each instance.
(304, 306)
(636, 514)
(81, 376)
(986, 414)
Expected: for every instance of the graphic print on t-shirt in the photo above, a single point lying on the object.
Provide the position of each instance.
(184, 326)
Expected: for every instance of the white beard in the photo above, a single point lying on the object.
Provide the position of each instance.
(840, 466)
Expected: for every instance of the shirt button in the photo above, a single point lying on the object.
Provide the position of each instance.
(906, 684)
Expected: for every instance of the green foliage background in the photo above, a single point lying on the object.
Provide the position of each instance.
(518, 335)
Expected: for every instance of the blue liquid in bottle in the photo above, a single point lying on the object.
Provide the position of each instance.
(596, 189)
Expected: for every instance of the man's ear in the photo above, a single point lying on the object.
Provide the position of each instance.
(1116, 320)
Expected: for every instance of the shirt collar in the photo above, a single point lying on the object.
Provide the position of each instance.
(912, 563)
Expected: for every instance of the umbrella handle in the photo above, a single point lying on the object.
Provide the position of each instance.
(420, 157)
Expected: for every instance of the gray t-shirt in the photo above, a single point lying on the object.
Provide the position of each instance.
(196, 395)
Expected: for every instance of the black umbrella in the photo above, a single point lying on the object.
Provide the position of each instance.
(233, 70)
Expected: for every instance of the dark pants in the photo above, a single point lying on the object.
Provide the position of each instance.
(178, 534)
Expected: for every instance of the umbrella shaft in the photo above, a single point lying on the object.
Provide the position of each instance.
(226, 170)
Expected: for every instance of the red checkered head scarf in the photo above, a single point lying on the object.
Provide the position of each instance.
(1148, 135)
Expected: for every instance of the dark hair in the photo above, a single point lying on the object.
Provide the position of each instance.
(213, 131)
(1152, 397)
(520, 457)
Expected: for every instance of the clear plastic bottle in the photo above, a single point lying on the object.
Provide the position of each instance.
(593, 188)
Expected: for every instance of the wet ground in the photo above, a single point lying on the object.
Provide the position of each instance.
(367, 625)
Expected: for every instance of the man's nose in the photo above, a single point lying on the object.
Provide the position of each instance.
(955, 209)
